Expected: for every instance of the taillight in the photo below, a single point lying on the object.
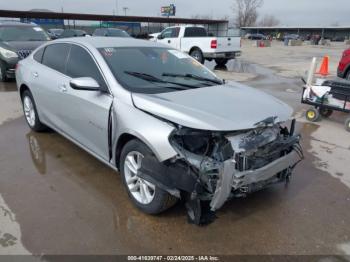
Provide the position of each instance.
(214, 44)
(17, 67)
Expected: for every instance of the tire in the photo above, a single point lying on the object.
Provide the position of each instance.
(31, 113)
(312, 114)
(347, 76)
(325, 112)
(221, 61)
(157, 200)
(3, 77)
(347, 124)
(197, 54)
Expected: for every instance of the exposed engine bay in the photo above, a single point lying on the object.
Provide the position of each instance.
(213, 167)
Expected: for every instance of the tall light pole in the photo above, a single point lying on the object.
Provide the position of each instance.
(116, 7)
(125, 9)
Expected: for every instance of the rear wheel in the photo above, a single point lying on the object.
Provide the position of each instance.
(146, 196)
(221, 61)
(325, 112)
(198, 55)
(30, 112)
(312, 114)
(347, 77)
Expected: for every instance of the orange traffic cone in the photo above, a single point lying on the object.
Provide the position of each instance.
(324, 67)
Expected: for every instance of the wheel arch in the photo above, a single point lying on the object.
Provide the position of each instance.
(22, 88)
(194, 48)
(122, 141)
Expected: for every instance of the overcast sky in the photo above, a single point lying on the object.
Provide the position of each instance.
(289, 12)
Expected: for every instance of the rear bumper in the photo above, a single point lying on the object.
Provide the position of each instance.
(224, 55)
(231, 180)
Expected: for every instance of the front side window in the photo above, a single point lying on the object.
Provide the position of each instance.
(81, 64)
(171, 32)
(55, 56)
(22, 33)
(156, 69)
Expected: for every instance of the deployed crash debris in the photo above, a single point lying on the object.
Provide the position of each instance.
(212, 167)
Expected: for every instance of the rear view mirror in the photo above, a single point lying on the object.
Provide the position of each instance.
(160, 37)
(85, 83)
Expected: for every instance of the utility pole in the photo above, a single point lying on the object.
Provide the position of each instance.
(125, 9)
(116, 7)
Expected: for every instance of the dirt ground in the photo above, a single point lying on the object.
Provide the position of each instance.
(57, 199)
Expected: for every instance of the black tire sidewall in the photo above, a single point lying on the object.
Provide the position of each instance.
(221, 61)
(347, 123)
(200, 54)
(3, 77)
(160, 197)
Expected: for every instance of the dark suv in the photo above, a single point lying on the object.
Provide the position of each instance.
(17, 41)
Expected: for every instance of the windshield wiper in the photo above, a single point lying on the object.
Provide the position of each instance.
(200, 78)
(152, 78)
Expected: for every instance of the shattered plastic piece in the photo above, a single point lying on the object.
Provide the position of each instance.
(199, 213)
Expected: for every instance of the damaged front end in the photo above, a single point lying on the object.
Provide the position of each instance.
(212, 167)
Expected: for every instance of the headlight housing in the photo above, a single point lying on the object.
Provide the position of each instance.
(7, 53)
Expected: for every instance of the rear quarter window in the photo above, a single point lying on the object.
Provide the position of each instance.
(55, 56)
(38, 55)
(195, 32)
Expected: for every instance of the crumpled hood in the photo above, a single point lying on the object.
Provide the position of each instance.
(227, 107)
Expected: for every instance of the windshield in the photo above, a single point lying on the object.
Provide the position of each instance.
(156, 70)
(22, 33)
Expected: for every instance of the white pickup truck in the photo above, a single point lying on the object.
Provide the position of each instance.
(194, 40)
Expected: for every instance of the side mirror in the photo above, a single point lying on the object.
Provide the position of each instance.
(160, 37)
(85, 83)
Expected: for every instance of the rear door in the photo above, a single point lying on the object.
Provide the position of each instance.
(85, 113)
(46, 77)
(170, 36)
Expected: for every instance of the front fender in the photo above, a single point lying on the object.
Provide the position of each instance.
(150, 130)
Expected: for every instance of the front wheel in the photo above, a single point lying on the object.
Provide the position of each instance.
(198, 55)
(3, 77)
(146, 196)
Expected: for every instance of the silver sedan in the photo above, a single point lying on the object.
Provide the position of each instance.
(171, 127)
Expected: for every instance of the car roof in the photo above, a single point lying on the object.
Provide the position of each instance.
(101, 42)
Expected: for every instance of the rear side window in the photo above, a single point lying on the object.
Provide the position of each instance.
(81, 64)
(99, 32)
(55, 56)
(38, 56)
(195, 32)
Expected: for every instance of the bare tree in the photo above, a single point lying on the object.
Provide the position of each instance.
(246, 12)
(269, 20)
(202, 16)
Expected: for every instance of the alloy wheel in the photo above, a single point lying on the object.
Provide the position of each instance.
(142, 190)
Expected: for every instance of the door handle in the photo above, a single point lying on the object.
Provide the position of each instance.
(169, 41)
(63, 88)
(35, 74)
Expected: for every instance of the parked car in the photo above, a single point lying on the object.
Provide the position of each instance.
(344, 65)
(169, 125)
(194, 40)
(55, 33)
(17, 41)
(338, 39)
(72, 33)
(110, 32)
(256, 37)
